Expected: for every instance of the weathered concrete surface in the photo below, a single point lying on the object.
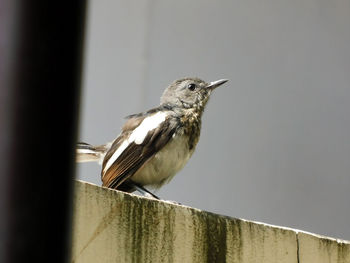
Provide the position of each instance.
(111, 226)
(320, 249)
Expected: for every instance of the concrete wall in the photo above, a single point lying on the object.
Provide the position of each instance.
(111, 226)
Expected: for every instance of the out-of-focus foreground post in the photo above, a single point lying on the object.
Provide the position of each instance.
(40, 66)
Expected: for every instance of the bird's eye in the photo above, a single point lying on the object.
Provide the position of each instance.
(191, 87)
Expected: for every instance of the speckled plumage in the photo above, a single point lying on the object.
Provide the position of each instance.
(153, 146)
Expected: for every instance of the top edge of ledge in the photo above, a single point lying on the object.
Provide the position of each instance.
(171, 204)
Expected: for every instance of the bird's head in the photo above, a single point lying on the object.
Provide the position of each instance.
(189, 93)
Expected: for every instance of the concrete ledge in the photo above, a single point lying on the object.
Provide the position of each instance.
(111, 226)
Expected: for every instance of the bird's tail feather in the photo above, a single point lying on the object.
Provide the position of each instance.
(89, 153)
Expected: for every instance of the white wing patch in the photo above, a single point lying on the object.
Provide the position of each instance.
(116, 154)
(148, 124)
(137, 136)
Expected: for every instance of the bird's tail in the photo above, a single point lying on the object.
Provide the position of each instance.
(90, 153)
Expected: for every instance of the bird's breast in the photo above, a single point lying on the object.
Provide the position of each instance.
(162, 167)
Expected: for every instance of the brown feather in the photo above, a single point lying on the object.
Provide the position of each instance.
(135, 155)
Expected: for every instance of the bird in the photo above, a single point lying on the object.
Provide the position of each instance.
(156, 144)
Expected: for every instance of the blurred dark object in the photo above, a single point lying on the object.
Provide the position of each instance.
(40, 70)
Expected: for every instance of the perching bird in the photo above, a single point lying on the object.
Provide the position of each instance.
(153, 146)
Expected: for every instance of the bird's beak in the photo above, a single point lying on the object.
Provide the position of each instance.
(215, 84)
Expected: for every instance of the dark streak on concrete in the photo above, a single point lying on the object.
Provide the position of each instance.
(343, 252)
(297, 240)
(216, 239)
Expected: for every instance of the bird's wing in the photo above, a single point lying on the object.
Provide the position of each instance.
(141, 138)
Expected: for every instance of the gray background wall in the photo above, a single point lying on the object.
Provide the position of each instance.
(275, 143)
